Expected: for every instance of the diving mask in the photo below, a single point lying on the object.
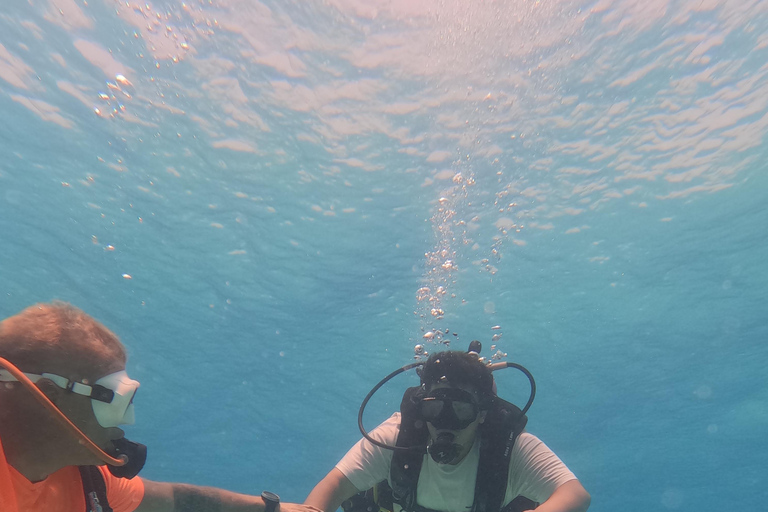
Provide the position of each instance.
(449, 408)
(111, 396)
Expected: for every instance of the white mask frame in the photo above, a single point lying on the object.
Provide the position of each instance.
(111, 396)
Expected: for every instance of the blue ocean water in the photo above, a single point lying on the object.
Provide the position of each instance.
(272, 203)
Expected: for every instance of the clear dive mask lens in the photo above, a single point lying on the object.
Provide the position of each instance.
(119, 410)
(449, 408)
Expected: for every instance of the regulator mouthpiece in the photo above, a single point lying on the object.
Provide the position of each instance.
(443, 450)
(136, 455)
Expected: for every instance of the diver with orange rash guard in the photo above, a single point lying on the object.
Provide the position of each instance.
(64, 392)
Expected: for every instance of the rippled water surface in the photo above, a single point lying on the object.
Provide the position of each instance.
(273, 203)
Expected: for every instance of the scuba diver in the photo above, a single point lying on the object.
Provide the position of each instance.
(63, 394)
(455, 446)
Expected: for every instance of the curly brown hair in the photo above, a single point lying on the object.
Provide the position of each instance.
(460, 369)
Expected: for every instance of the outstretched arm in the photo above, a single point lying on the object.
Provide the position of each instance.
(167, 497)
(331, 492)
(569, 497)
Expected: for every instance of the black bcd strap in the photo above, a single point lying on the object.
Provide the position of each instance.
(503, 423)
(95, 489)
(520, 504)
(406, 465)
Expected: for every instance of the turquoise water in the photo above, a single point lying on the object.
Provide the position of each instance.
(263, 200)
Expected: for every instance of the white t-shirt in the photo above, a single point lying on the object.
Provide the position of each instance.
(534, 471)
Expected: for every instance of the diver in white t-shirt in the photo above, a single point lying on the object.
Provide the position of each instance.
(454, 447)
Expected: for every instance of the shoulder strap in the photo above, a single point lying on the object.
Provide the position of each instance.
(406, 465)
(503, 423)
(520, 504)
(95, 489)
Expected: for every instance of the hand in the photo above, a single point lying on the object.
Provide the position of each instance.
(296, 507)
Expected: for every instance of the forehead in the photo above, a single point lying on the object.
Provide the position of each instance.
(447, 385)
(91, 368)
(99, 358)
(113, 367)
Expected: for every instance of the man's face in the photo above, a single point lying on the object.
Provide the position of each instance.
(79, 409)
(463, 437)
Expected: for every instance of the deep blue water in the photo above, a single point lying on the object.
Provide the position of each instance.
(281, 179)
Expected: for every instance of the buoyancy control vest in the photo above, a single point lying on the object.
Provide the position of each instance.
(503, 423)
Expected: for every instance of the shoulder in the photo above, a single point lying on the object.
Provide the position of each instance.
(387, 431)
(365, 452)
(530, 456)
(124, 495)
(534, 470)
(528, 443)
(366, 464)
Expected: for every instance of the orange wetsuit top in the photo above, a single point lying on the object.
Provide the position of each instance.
(62, 491)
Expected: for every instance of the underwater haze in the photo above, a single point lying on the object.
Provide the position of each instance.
(276, 203)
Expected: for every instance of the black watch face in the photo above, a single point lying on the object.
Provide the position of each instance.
(270, 496)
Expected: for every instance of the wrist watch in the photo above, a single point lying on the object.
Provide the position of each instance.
(271, 500)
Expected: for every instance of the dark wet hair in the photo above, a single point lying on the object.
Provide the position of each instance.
(460, 369)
